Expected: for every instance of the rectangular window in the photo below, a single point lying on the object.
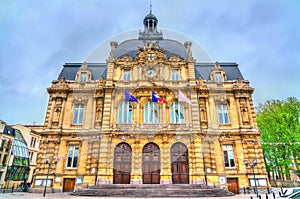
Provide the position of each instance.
(4, 160)
(125, 113)
(176, 113)
(218, 77)
(228, 155)
(175, 75)
(83, 76)
(33, 141)
(30, 156)
(223, 114)
(2, 145)
(126, 75)
(8, 145)
(78, 114)
(72, 157)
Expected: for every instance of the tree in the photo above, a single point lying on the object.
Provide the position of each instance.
(279, 122)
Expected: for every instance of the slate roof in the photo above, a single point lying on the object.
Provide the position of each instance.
(202, 70)
(231, 70)
(70, 69)
(9, 131)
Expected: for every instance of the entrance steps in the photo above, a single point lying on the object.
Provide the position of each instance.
(153, 190)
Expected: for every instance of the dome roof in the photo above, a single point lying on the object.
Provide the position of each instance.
(150, 17)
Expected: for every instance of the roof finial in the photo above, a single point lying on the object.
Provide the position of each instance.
(150, 7)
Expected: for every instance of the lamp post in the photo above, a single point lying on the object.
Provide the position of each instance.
(252, 166)
(45, 188)
(254, 163)
(48, 163)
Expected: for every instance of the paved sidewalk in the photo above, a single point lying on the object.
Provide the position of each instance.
(23, 195)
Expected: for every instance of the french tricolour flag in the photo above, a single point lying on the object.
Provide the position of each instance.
(156, 98)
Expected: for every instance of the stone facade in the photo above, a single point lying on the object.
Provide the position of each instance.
(92, 136)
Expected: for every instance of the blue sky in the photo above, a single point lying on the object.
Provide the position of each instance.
(38, 37)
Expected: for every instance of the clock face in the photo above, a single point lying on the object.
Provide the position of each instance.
(150, 72)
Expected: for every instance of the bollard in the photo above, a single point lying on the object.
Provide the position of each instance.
(259, 196)
(274, 195)
(244, 190)
(267, 197)
(251, 197)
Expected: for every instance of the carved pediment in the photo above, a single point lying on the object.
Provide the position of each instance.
(61, 83)
(126, 58)
(240, 83)
(174, 59)
(151, 52)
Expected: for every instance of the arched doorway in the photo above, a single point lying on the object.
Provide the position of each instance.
(122, 164)
(151, 164)
(179, 164)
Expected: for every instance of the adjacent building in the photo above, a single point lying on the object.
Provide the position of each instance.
(150, 114)
(32, 140)
(14, 158)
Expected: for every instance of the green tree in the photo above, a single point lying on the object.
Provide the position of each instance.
(279, 122)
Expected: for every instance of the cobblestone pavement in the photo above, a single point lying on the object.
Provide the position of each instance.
(22, 195)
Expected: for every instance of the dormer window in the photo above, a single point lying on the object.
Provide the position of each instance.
(217, 74)
(83, 76)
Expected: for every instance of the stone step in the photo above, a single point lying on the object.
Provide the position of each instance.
(153, 191)
(151, 186)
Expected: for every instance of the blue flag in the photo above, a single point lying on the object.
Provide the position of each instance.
(129, 98)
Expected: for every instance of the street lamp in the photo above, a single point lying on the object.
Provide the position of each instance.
(254, 163)
(48, 163)
(45, 188)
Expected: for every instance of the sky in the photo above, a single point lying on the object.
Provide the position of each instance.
(38, 37)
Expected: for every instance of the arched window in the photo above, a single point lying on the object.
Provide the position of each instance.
(176, 113)
(150, 113)
(125, 113)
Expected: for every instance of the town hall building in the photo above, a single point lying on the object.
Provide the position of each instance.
(150, 114)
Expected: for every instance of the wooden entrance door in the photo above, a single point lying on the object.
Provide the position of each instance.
(69, 184)
(122, 164)
(233, 185)
(151, 164)
(179, 164)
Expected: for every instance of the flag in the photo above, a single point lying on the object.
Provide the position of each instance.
(156, 98)
(129, 98)
(183, 98)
